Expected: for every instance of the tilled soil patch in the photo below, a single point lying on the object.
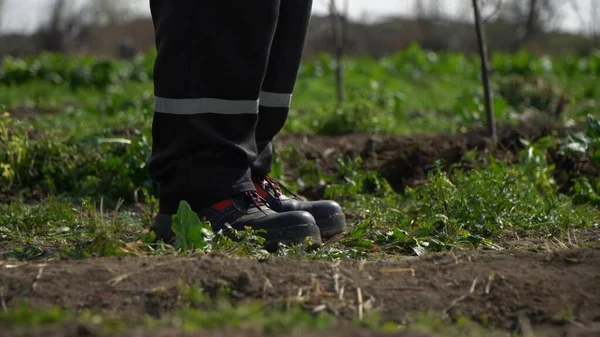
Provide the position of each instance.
(550, 290)
(407, 160)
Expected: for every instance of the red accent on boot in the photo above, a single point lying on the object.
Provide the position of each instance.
(221, 205)
(260, 189)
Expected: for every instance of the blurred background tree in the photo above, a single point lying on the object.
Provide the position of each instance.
(120, 28)
(68, 22)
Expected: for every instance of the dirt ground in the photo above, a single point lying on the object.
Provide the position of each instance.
(406, 160)
(74, 330)
(79, 330)
(555, 291)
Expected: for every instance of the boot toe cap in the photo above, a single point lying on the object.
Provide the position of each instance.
(323, 209)
(295, 218)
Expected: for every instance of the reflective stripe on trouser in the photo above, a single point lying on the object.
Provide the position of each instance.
(191, 106)
(208, 75)
(282, 71)
(275, 100)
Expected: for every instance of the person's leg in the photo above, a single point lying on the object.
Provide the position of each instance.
(210, 64)
(274, 104)
(280, 79)
(208, 73)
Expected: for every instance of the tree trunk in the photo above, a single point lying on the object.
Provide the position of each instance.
(52, 36)
(485, 72)
(339, 30)
(339, 75)
(595, 21)
(532, 18)
(1, 11)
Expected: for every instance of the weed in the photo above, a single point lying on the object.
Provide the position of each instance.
(190, 232)
(94, 149)
(455, 209)
(25, 316)
(218, 313)
(55, 228)
(201, 312)
(587, 144)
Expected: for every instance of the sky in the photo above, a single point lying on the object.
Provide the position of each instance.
(26, 15)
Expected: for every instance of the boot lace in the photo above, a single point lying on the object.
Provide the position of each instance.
(277, 187)
(256, 199)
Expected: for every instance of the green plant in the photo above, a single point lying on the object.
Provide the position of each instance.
(588, 142)
(25, 316)
(456, 209)
(190, 231)
(91, 138)
(584, 192)
(57, 227)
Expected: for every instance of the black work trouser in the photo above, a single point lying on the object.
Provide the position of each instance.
(223, 81)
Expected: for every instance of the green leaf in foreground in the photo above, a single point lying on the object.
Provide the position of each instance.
(593, 130)
(190, 231)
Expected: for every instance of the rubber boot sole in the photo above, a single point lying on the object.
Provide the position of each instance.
(294, 236)
(287, 235)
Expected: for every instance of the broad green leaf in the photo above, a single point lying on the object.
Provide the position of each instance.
(401, 235)
(360, 230)
(364, 243)
(195, 237)
(576, 147)
(149, 238)
(596, 157)
(593, 130)
(579, 137)
(188, 228)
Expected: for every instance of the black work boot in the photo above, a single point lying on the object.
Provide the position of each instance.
(328, 214)
(250, 210)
